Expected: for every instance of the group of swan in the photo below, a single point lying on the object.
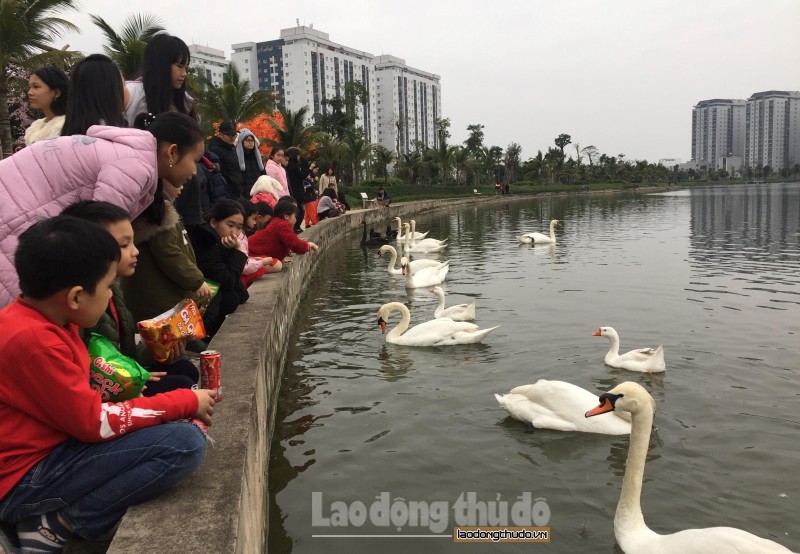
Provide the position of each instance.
(539, 238)
(436, 332)
(630, 530)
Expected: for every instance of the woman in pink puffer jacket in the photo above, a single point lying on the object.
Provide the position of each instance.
(117, 165)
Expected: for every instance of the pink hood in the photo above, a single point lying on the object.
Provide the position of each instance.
(113, 164)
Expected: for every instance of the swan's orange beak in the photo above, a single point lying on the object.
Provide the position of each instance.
(382, 323)
(604, 407)
(404, 270)
(597, 333)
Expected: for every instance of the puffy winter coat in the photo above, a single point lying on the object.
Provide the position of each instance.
(278, 172)
(113, 164)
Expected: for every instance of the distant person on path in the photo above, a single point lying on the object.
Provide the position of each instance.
(383, 198)
(224, 146)
(276, 168)
(48, 91)
(328, 179)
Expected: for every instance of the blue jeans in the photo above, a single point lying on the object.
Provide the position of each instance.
(91, 485)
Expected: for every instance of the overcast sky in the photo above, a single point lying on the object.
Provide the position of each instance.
(621, 75)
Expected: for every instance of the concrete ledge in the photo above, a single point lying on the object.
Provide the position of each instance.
(223, 506)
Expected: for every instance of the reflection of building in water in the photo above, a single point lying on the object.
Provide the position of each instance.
(750, 220)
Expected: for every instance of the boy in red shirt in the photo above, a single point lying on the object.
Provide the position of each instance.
(61, 474)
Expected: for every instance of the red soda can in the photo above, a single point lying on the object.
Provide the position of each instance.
(210, 375)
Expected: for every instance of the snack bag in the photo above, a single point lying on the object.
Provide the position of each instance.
(214, 286)
(115, 376)
(162, 332)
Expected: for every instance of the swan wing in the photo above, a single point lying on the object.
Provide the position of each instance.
(539, 237)
(644, 359)
(459, 312)
(566, 403)
(417, 265)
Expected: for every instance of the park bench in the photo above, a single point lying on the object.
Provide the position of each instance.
(367, 202)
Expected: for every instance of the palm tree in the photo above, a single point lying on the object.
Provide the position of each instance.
(294, 132)
(126, 48)
(383, 159)
(329, 151)
(232, 101)
(460, 159)
(26, 29)
(356, 151)
(408, 167)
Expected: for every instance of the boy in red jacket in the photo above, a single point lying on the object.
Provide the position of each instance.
(61, 474)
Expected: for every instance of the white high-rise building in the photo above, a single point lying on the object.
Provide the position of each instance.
(772, 136)
(409, 102)
(718, 131)
(212, 62)
(306, 68)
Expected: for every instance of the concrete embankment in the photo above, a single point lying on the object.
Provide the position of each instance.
(223, 507)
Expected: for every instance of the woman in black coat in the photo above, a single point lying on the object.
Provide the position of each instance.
(294, 177)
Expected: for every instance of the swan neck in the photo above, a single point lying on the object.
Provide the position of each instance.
(613, 351)
(405, 319)
(553, 231)
(393, 254)
(628, 517)
(439, 309)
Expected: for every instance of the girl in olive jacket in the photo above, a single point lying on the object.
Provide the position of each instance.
(167, 271)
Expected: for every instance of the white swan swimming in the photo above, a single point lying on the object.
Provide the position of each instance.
(401, 237)
(539, 238)
(437, 332)
(420, 247)
(415, 265)
(630, 530)
(458, 312)
(559, 406)
(425, 277)
(644, 360)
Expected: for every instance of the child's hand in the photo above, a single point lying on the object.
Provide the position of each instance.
(205, 405)
(266, 262)
(177, 352)
(203, 292)
(230, 242)
(313, 247)
(156, 376)
(288, 261)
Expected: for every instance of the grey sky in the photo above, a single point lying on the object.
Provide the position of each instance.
(622, 75)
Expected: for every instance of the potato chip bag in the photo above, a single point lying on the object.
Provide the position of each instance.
(214, 286)
(162, 332)
(112, 374)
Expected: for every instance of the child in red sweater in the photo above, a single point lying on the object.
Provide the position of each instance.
(278, 238)
(69, 463)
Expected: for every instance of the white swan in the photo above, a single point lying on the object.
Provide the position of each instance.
(559, 406)
(458, 312)
(644, 360)
(401, 237)
(539, 238)
(437, 332)
(630, 530)
(425, 277)
(420, 247)
(415, 265)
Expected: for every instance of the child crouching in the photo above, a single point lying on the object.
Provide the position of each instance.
(69, 463)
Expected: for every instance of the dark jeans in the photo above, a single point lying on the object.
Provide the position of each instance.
(181, 375)
(93, 484)
(301, 213)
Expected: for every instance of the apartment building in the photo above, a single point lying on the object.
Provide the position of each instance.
(306, 68)
(718, 131)
(772, 132)
(210, 61)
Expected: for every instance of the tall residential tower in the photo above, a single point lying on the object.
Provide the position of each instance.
(718, 130)
(306, 68)
(772, 136)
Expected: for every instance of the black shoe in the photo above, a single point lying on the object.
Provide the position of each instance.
(196, 346)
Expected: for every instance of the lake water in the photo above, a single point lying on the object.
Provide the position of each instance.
(711, 273)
